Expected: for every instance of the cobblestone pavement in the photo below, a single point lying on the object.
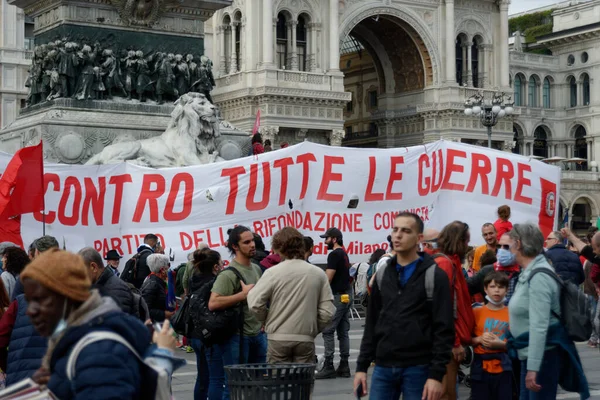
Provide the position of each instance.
(341, 389)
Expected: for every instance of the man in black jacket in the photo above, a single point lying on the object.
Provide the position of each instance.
(107, 283)
(151, 245)
(408, 333)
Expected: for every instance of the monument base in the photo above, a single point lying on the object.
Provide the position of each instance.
(74, 130)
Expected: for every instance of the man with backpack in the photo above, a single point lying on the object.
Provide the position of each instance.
(409, 329)
(136, 269)
(230, 289)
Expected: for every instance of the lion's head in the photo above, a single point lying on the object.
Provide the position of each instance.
(195, 116)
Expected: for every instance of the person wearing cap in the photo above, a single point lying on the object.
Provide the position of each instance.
(112, 260)
(338, 273)
(63, 308)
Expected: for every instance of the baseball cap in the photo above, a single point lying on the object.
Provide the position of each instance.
(332, 232)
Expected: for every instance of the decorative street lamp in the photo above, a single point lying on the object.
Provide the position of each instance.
(489, 110)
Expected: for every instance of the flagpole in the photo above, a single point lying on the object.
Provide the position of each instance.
(44, 222)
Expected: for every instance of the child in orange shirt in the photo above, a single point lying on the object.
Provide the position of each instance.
(491, 371)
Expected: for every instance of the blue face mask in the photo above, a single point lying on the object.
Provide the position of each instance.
(505, 258)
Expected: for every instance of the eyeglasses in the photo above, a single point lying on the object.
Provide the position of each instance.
(505, 246)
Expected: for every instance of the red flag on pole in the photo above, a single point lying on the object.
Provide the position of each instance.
(22, 183)
(256, 123)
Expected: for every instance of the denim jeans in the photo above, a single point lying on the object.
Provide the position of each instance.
(341, 324)
(203, 376)
(547, 377)
(388, 383)
(255, 352)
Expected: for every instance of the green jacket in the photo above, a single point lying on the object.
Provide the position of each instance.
(530, 310)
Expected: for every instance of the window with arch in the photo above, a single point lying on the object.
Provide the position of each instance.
(238, 41)
(581, 148)
(546, 93)
(460, 60)
(540, 143)
(282, 40)
(475, 62)
(301, 39)
(573, 92)
(533, 92)
(586, 89)
(518, 91)
(227, 38)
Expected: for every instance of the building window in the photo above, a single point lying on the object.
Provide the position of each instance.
(517, 148)
(540, 143)
(584, 57)
(281, 41)
(23, 103)
(373, 99)
(475, 63)
(238, 47)
(301, 43)
(586, 90)
(348, 132)
(533, 94)
(546, 93)
(573, 92)
(459, 61)
(373, 131)
(349, 106)
(227, 38)
(518, 91)
(581, 148)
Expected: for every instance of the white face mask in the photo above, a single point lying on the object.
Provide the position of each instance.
(62, 324)
(496, 303)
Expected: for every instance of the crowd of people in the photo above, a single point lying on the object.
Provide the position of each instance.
(429, 299)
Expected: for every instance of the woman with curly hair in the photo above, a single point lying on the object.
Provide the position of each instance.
(14, 261)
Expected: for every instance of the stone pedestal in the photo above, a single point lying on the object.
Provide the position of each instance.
(73, 130)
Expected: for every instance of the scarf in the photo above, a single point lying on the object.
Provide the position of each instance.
(94, 306)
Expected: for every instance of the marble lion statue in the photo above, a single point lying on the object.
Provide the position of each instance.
(188, 140)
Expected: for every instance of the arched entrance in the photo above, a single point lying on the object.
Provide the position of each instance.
(583, 211)
(540, 143)
(386, 66)
(581, 149)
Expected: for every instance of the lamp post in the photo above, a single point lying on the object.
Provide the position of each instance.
(489, 111)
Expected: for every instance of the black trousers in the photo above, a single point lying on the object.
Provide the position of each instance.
(493, 387)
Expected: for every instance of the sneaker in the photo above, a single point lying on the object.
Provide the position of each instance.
(189, 349)
(592, 344)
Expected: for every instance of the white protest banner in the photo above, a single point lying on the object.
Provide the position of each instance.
(308, 186)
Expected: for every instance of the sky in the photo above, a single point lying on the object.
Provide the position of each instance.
(518, 6)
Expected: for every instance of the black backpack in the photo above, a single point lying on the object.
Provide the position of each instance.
(575, 307)
(214, 327)
(129, 273)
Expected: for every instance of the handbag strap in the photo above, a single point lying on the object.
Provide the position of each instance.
(94, 337)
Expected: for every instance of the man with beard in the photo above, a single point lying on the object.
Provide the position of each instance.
(338, 273)
(229, 291)
(488, 232)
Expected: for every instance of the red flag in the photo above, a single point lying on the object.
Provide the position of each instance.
(10, 231)
(22, 183)
(256, 124)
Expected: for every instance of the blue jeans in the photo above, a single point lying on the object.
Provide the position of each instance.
(547, 377)
(211, 375)
(203, 376)
(255, 352)
(388, 383)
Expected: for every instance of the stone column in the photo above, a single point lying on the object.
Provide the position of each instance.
(469, 60)
(589, 151)
(504, 72)
(268, 36)
(309, 46)
(243, 50)
(233, 63)
(316, 47)
(334, 35)
(336, 136)
(223, 58)
(274, 46)
(294, 61)
(450, 43)
(579, 93)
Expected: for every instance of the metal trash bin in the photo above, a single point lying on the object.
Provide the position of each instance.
(270, 381)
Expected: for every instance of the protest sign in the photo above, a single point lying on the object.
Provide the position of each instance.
(308, 186)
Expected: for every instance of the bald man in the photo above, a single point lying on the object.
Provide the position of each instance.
(429, 242)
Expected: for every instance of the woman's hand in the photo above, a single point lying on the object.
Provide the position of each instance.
(165, 338)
